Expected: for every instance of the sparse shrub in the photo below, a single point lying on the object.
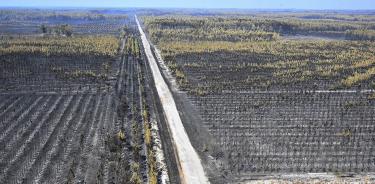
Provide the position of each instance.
(371, 96)
(359, 77)
(345, 133)
(135, 177)
(199, 91)
(147, 134)
(121, 135)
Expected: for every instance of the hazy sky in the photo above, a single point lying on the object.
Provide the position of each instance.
(251, 4)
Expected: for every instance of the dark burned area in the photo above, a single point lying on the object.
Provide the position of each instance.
(262, 95)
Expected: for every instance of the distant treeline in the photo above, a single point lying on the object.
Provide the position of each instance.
(204, 29)
(246, 28)
(45, 15)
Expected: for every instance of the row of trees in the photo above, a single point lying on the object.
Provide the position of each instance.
(61, 46)
(251, 24)
(210, 35)
(132, 46)
(57, 15)
(199, 29)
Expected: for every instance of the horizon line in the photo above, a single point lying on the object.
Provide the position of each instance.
(207, 8)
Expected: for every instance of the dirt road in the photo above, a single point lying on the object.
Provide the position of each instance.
(191, 169)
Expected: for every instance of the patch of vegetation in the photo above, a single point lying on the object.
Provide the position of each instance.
(345, 133)
(61, 30)
(135, 177)
(132, 46)
(209, 44)
(60, 46)
(359, 77)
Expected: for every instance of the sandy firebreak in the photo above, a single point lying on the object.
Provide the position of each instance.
(191, 169)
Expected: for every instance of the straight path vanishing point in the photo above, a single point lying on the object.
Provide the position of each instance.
(190, 166)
